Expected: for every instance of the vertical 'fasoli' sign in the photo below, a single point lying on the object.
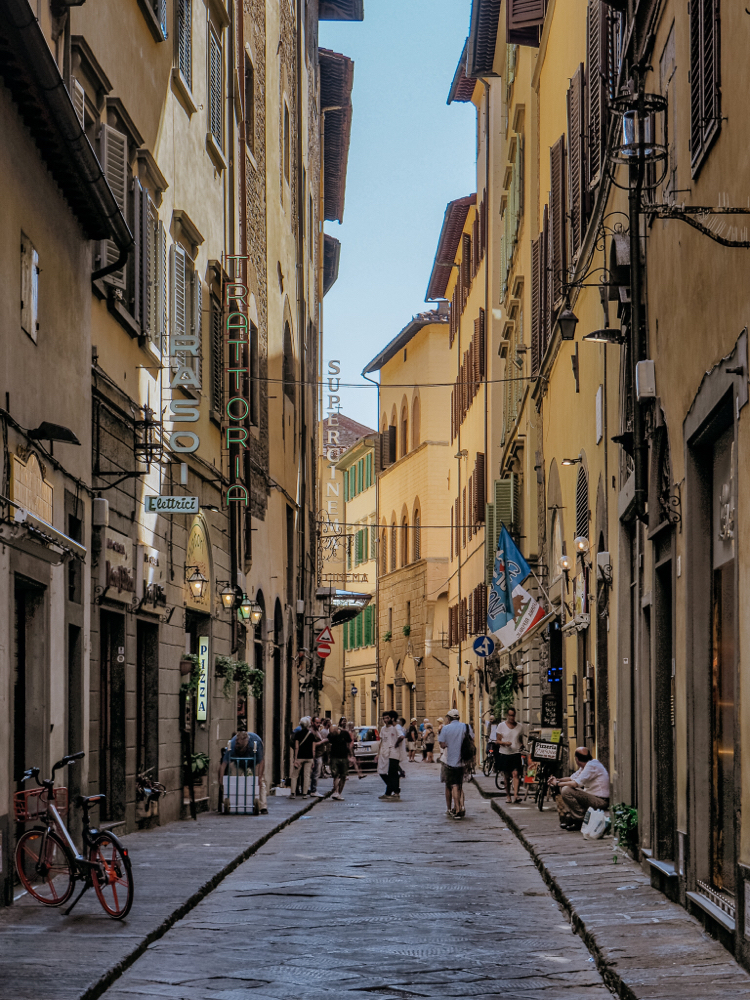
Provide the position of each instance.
(238, 356)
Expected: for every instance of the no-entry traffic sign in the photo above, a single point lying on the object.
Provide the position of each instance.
(323, 650)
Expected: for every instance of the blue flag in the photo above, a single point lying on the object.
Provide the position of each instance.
(511, 569)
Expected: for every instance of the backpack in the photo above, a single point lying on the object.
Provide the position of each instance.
(468, 748)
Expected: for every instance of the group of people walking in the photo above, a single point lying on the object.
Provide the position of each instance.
(319, 742)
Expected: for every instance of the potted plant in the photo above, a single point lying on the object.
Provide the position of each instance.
(198, 764)
(249, 679)
(192, 675)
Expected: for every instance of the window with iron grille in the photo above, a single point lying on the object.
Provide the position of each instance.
(215, 103)
(394, 537)
(417, 536)
(185, 40)
(160, 10)
(249, 103)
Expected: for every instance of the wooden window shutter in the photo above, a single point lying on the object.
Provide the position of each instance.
(113, 155)
(135, 260)
(149, 248)
(79, 101)
(185, 40)
(465, 268)
(470, 518)
(457, 526)
(482, 343)
(545, 283)
(524, 21)
(557, 220)
(216, 104)
(463, 518)
(536, 306)
(452, 530)
(179, 291)
(196, 322)
(705, 94)
(597, 71)
(217, 356)
(582, 503)
(161, 285)
(481, 487)
(576, 161)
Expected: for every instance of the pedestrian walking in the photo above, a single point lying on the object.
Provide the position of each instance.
(304, 739)
(439, 726)
(509, 738)
(454, 737)
(428, 743)
(390, 755)
(325, 728)
(412, 738)
(317, 768)
(340, 743)
(353, 762)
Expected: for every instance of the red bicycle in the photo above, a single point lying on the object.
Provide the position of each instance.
(47, 859)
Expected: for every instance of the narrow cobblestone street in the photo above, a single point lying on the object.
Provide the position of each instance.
(368, 898)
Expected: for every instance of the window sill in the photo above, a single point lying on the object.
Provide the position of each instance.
(183, 91)
(215, 151)
(151, 20)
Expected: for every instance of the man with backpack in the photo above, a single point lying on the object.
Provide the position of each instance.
(457, 740)
(304, 739)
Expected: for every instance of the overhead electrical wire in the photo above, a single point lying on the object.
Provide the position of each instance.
(400, 385)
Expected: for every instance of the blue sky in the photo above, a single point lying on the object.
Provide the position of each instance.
(410, 155)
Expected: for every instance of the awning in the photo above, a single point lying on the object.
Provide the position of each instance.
(29, 533)
(527, 636)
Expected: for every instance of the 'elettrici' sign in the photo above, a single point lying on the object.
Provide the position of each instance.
(173, 505)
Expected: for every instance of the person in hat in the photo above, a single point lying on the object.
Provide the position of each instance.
(453, 767)
(588, 787)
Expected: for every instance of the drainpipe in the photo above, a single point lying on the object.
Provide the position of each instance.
(640, 444)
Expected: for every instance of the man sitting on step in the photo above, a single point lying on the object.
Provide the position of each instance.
(586, 787)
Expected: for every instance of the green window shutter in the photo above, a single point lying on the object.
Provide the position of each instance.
(358, 624)
(346, 487)
(346, 636)
(369, 469)
(359, 476)
(352, 482)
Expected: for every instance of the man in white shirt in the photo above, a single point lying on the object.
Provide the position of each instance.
(452, 768)
(588, 787)
(390, 755)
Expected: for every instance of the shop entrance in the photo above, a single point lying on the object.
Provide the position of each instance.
(29, 673)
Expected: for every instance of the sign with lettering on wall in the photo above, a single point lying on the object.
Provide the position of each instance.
(201, 701)
(119, 569)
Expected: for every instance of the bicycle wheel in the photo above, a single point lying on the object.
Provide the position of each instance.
(44, 867)
(541, 791)
(113, 879)
(500, 781)
(487, 766)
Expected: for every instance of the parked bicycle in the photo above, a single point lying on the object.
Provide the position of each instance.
(47, 859)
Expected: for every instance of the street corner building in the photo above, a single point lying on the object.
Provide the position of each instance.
(168, 166)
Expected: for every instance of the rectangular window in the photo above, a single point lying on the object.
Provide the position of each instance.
(159, 8)
(373, 541)
(185, 40)
(215, 102)
(287, 141)
(186, 318)
(249, 104)
(29, 288)
(346, 487)
(353, 481)
(705, 95)
(360, 484)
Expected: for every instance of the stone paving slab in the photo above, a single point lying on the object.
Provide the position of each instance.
(646, 947)
(44, 954)
(370, 900)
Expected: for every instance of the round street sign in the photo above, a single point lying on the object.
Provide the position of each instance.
(484, 646)
(323, 650)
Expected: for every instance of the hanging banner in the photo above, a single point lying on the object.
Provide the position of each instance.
(201, 701)
(511, 610)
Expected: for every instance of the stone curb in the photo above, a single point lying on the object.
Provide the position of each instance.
(111, 975)
(611, 977)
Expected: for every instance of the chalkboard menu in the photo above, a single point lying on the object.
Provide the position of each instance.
(551, 714)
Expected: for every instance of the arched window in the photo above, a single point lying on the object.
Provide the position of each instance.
(383, 553)
(405, 541)
(404, 431)
(582, 504)
(417, 535)
(415, 423)
(394, 545)
(288, 366)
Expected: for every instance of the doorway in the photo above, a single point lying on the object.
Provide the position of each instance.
(112, 715)
(29, 678)
(147, 699)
